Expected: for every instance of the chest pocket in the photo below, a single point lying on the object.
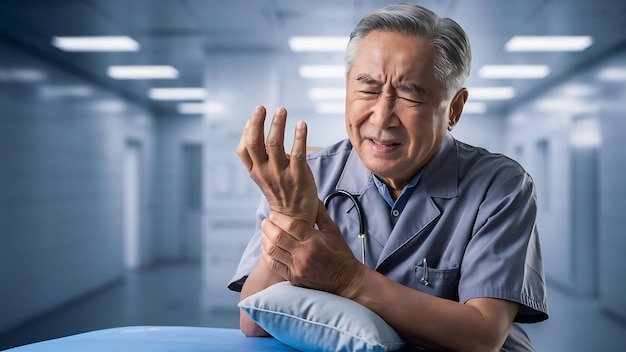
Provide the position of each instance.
(437, 280)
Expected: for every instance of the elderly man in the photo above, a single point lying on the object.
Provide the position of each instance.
(451, 257)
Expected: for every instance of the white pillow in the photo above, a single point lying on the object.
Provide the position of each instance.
(312, 320)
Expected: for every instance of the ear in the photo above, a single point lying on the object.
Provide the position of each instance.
(456, 108)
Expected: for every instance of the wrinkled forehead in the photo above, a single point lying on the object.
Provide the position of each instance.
(393, 57)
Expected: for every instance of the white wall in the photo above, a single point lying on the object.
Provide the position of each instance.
(61, 160)
(171, 132)
(612, 193)
(483, 130)
(581, 230)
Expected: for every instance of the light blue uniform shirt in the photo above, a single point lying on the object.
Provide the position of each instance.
(398, 206)
(471, 214)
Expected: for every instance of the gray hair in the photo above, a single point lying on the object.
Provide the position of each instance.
(453, 62)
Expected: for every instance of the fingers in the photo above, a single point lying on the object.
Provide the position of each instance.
(242, 151)
(276, 247)
(324, 221)
(253, 149)
(254, 140)
(275, 146)
(295, 229)
(298, 150)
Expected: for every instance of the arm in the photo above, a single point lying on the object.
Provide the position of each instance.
(481, 324)
(261, 277)
(300, 253)
(286, 182)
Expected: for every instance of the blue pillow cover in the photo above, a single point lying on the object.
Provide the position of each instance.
(312, 320)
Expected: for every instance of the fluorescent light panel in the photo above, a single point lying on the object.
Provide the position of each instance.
(64, 91)
(327, 93)
(514, 71)
(86, 44)
(548, 43)
(477, 107)
(330, 108)
(566, 106)
(143, 72)
(491, 93)
(613, 74)
(177, 93)
(24, 75)
(209, 107)
(318, 43)
(322, 71)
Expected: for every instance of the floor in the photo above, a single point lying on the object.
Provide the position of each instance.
(171, 295)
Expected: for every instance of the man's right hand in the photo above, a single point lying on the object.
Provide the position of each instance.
(285, 180)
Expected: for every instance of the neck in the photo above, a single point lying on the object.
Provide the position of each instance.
(395, 193)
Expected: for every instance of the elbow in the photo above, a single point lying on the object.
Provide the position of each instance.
(250, 328)
(489, 342)
(484, 347)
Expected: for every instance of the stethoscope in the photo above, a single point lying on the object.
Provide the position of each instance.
(359, 212)
(424, 279)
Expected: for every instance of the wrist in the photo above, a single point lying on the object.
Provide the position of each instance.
(352, 283)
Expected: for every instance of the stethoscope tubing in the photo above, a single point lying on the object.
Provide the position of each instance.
(359, 212)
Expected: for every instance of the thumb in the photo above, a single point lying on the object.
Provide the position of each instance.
(323, 221)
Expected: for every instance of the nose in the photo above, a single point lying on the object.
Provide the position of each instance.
(383, 112)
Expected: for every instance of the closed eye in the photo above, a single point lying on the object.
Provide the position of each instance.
(411, 100)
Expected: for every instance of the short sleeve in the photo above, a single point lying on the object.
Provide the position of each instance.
(503, 257)
(252, 253)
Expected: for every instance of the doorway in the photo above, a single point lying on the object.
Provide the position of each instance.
(132, 204)
(192, 210)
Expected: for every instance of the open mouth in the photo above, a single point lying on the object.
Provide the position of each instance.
(385, 143)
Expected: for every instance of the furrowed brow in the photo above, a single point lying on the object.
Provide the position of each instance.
(411, 88)
(365, 78)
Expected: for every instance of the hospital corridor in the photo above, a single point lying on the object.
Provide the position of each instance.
(124, 204)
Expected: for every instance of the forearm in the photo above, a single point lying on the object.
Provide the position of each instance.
(435, 322)
(260, 278)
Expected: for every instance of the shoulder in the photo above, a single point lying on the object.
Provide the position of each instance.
(496, 174)
(328, 165)
(330, 157)
(482, 162)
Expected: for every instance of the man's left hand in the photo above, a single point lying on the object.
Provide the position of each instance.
(309, 257)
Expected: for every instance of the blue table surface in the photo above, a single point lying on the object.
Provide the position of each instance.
(157, 339)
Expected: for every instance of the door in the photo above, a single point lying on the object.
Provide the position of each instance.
(132, 201)
(192, 193)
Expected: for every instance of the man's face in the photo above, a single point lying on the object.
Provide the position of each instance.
(396, 111)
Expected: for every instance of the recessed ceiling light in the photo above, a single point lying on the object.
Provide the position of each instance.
(566, 105)
(586, 133)
(318, 43)
(577, 90)
(327, 93)
(514, 71)
(615, 74)
(209, 107)
(548, 43)
(330, 108)
(24, 75)
(322, 71)
(111, 43)
(491, 93)
(64, 91)
(143, 72)
(477, 107)
(108, 106)
(178, 93)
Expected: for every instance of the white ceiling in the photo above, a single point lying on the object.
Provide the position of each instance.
(201, 37)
